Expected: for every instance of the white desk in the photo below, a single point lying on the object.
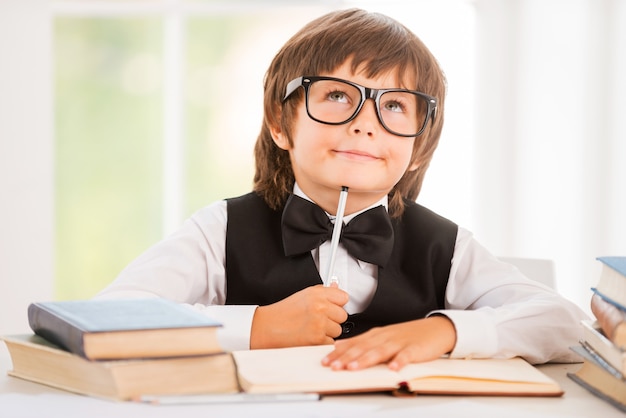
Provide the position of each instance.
(22, 399)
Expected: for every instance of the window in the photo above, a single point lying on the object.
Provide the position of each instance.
(108, 169)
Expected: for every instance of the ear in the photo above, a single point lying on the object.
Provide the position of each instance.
(279, 137)
(414, 166)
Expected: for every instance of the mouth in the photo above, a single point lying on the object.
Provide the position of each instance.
(356, 155)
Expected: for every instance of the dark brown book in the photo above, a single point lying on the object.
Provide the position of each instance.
(125, 328)
(611, 319)
(40, 361)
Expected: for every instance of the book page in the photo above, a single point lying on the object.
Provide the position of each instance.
(299, 368)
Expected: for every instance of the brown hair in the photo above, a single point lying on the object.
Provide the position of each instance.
(371, 41)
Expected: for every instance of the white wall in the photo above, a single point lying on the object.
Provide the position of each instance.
(26, 151)
(550, 177)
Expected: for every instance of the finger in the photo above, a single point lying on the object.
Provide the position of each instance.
(343, 356)
(349, 349)
(366, 350)
(340, 348)
(336, 314)
(337, 296)
(413, 354)
(368, 357)
(328, 341)
(333, 330)
(401, 359)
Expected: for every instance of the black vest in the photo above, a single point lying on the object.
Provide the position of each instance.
(412, 283)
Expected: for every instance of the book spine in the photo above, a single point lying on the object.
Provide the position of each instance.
(55, 329)
(590, 354)
(609, 317)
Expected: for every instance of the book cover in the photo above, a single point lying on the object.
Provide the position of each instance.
(124, 328)
(37, 360)
(617, 263)
(299, 369)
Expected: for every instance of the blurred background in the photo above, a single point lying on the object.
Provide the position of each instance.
(119, 119)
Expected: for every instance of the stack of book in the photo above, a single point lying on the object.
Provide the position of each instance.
(122, 349)
(603, 346)
(152, 350)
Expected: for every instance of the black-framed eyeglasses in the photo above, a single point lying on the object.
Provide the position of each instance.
(334, 101)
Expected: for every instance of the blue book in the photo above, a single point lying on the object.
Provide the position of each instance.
(125, 328)
(616, 263)
(611, 285)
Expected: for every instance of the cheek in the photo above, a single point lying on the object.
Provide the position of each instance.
(312, 137)
(404, 155)
(305, 146)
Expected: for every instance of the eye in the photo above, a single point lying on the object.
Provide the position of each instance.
(338, 96)
(393, 106)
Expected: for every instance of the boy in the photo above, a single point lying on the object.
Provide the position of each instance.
(427, 288)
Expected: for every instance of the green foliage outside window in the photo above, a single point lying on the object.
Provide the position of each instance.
(109, 139)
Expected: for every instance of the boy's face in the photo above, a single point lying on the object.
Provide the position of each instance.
(360, 154)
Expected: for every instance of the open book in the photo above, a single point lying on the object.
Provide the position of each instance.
(299, 369)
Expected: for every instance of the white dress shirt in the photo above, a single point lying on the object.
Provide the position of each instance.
(496, 310)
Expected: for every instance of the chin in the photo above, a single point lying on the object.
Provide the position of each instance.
(361, 187)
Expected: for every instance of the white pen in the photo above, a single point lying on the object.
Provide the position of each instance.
(334, 240)
(228, 398)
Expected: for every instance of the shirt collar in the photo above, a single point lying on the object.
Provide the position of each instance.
(383, 201)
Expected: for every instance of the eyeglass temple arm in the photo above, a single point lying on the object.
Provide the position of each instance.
(292, 86)
(433, 114)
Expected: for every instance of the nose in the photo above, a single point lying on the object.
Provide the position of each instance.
(366, 121)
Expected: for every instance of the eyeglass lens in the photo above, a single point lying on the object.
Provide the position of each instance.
(334, 101)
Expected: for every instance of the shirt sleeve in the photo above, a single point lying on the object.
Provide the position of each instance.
(498, 312)
(188, 267)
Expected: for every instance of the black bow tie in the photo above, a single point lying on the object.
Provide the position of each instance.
(368, 236)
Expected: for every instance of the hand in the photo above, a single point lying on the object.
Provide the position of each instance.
(397, 345)
(312, 316)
